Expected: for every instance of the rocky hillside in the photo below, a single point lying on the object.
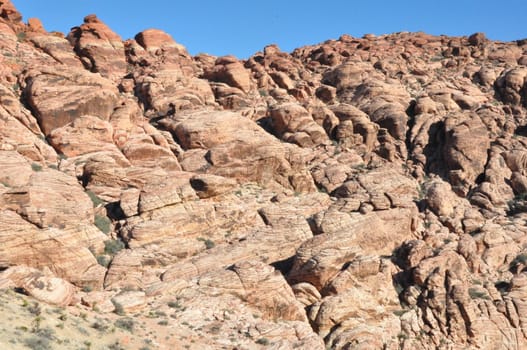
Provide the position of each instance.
(356, 194)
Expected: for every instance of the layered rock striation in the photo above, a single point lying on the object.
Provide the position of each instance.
(364, 193)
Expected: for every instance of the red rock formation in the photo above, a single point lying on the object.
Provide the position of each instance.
(364, 192)
(100, 49)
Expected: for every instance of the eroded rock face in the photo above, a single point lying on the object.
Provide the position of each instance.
(59, 96)
(100, 49)
(170, 90)
(466, 149)
(237, 147)
(361, 193)
(230, 71)
(48, 289)
(50, 199)
(294, 124)
(259, 285)
(64, 251)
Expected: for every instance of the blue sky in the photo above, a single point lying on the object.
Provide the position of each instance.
(242, 28)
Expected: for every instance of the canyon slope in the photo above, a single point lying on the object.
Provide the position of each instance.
(362, 193)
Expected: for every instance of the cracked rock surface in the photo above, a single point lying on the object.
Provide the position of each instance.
(362, 193)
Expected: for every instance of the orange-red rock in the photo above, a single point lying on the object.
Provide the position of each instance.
(360, 193)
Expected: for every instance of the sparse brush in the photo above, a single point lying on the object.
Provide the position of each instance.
(38, 343)
(125, 323)
(477, 294)
(95, 199)
(103, 223)
(113, 246)
(103, 260)
(36, 167)
(100, 326)
(263, 341)
(209, 244)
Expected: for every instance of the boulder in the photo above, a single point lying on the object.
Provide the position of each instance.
(48, 289)
(100, 49)
(229, 70)
(58, 96)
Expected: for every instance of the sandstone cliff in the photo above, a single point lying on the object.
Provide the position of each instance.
(362, 193)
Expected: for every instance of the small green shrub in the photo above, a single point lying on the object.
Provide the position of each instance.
(174, 304)
(125, 323)
(36, 167)
(95, 200)
(38, 343)
(103, 260)
(35, 309)
(100, 326)
(263, 341)
(322, 189)
(21, 36)
(156, 314)
(116, 346)
(402, 336)
(399, 313)
(103, 223)
(477, 294)
(113, 246)
(209, 244)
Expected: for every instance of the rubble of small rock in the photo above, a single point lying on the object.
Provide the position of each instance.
(361, 193)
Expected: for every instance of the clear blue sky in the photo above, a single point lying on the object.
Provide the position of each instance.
(242, 28)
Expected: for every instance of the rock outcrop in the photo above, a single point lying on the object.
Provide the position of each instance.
(363, 193)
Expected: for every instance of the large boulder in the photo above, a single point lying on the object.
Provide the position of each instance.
(465, 151)
(230, 71)
(50, 198)
(63, 251)
(45, 288)
(293, 123)
(237, 147)
(169, 90)
(100, 49)
(57, 96)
